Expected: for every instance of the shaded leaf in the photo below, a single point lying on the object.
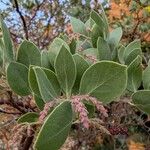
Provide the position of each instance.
(133, 55)
(17, 77)
(30, 117)
(115, 37)
(141, 100)
(72, 46)
(103, 49)
(8, 50)
(95, 34)
(56, 128)
(81, 65)
(134, 74)
(121, 54)
(78, 26)
(39, 102)
(45, 62)
(33, 82)
(136, 44)
(47, 83)
(146, 78)
(98, 20)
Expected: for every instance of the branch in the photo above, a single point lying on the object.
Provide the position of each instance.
(12, 102)
(22, 18)
(19, 103)
(6, 112)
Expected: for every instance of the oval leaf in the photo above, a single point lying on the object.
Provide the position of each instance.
(33, 82)
(39, 102)
(65, 70)
(141, 100)
(56, 128)
(97, 19)
(29, 117)
(134, 74)
(78, 26)
(45, 61)
(95, 34)
(29, 54)
(133, 55)
(54, 49)
(47, 83)
(104, 80)
(81, 65)
(136, 44)
(115, 37)
(146, 78)
(8, 52)
(121, 54)
(103, 49)
(17, 77)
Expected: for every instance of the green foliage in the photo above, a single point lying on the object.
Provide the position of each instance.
(134, 74)
(28, 118)
(132, 51)
(95, 63)
(47, 83)
(81, 66)
(103, 49)
(65, 70)
(17, 77)
(114, 38)
(103, 76)
(146, 78)
(78, 26)
(39, 102)
(7, 43)
(28, 54)
(56, 128)
(45, 62)
(54, 49)
(141, 100)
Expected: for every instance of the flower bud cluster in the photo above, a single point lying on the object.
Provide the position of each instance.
(81, 110)
(44, 113)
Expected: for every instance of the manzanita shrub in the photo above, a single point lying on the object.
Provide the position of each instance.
(91, 68)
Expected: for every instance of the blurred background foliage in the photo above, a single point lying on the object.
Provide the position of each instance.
(42, 20)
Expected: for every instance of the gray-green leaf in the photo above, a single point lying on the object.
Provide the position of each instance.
(56, 128)
(142, 100)
(65, 70)
(47, 83)
(54, 49)
(8, 51)
(78, 26)
(136, 44)
(30, 117)
(45, 61)
(81, 65)
(146, 78)
(105, 80)
(29, 54)
(134, 74)
(115, 37)
(103, 49)
(17, 77)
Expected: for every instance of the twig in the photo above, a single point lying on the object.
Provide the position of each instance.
(19, 103)
(6, 112)
(22, 18)
(14, 104)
